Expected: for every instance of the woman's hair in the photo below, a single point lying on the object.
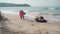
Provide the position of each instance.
(21, 11)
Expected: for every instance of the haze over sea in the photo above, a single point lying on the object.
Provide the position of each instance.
(50, 10)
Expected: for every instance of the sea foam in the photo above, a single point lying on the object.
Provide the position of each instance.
(32, 15)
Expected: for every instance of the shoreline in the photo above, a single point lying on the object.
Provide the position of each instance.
(49, 17)
(15, 24)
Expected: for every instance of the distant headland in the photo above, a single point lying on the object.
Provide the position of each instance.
(14, 5)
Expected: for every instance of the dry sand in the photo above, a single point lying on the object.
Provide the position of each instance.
(17, 26)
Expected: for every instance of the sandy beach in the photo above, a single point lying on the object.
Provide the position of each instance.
(14, 25)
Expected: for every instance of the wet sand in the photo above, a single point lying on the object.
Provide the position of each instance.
(14, 25)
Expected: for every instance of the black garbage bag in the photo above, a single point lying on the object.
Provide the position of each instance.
(40, 20)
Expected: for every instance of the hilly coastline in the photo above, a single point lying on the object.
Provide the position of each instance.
(13, 5)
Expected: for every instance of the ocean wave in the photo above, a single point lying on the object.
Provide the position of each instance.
(48, 16)
(27, 12)
(9, 12)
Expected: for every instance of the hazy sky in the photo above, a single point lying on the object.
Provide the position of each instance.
(35, 2)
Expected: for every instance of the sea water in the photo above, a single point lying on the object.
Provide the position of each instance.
(49, 12)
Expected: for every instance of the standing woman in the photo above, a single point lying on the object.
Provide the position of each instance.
(21, 14)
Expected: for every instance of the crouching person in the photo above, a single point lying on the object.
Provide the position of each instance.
(40, 19)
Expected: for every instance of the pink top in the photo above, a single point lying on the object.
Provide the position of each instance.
(21, 13)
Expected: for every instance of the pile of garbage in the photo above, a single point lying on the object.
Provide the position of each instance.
(40, 19)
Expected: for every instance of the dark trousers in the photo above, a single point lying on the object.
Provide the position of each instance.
(22, 17)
